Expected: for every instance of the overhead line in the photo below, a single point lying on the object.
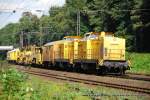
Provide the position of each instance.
(6, 18)
(101, 10)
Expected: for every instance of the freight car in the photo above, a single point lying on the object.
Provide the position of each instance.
(97, 51)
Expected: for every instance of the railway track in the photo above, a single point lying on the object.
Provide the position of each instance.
(138, 74)
(138, 77)
(128, 75)
(132, 76)
(89, 80)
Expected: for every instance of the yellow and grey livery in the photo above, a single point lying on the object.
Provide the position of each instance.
(96, 51)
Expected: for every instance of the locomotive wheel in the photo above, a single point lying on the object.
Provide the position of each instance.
(23, 61)
(34, 62)
(18, 61)
(61, 65)
(89, 68)
(84, 67)
(77, 68)
(69, 67)
(121, 71)
(103, 71)
(45, 64)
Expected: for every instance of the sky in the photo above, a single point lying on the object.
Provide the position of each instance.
(8, 6)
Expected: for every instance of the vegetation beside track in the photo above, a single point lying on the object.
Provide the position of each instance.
(17, 85)
(140, 62)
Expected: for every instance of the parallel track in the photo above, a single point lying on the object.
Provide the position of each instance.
(87, 81)
(138, 74)
(128, 75)
(132, 77)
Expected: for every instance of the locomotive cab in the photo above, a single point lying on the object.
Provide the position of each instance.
(97, 35)
(114, 54)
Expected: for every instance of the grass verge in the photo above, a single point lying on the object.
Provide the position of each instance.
(140, 62)
(15, 85)
(50, 90)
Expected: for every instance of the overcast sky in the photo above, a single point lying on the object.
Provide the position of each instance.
(7, 7)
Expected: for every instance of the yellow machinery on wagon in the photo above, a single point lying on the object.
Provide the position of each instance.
(13, 55)
(24, 56)
(29, 55)
(36, 55)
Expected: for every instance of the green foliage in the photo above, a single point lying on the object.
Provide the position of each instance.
(53, 91)
(8, 34)
(16, 87)
(3, 55)
(48, 90)
(139, 62)
(95, 15)
(12, 82)
(29, 22)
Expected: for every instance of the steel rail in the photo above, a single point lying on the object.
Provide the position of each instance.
(88, 81)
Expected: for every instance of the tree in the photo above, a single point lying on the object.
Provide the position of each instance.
(123, 17)
(8, 34)
(29, 23)
(141, 24)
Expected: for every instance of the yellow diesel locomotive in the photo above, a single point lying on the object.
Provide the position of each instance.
(60, 53)
(101, 52)
(97, 51)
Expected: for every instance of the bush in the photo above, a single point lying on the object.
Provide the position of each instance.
(140, 62)
(12, 83)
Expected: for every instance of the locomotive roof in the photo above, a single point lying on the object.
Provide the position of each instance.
(55, 42)
(98, 33)
(77, 37)
(61, 41)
